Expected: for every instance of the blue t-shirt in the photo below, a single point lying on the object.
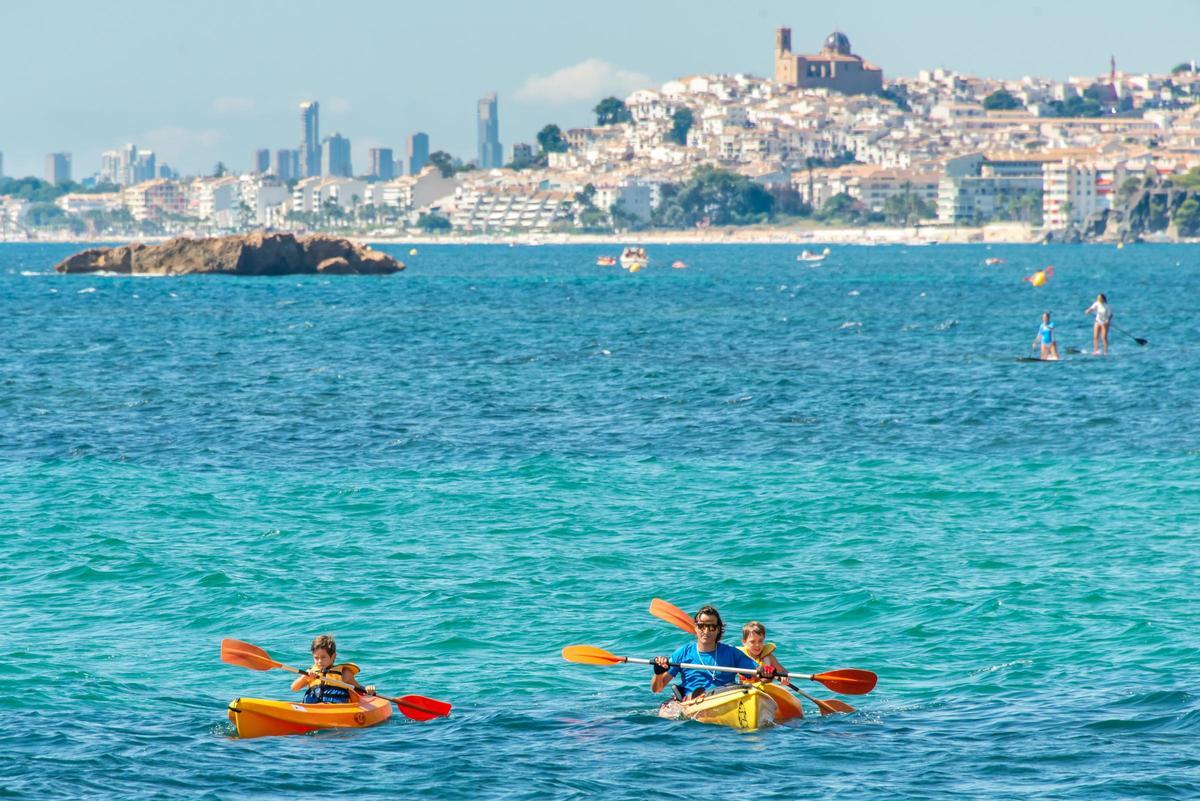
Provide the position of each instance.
(1046, 332)
(724, 656)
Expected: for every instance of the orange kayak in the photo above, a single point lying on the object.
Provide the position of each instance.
(257, 717)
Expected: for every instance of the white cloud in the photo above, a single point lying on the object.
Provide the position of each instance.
(589, 80)
(232, 105)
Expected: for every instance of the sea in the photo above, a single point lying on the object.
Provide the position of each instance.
(462, 468)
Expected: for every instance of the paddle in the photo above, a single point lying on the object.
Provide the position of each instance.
(1138, 340)
(243, 654)
(848, 681)
(672, 614)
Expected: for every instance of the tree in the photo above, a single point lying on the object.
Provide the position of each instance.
(1189, 180)
(443, 161)
(433, 222)
(1001, 100)
(681, 123)
(220, 170)
(906, 208)
(611, 111)
(716, 197)
(1187, 217)
(1182, 66)
(550, 140)
(842, 208)
(44, 215)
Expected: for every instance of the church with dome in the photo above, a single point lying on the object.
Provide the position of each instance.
(835, 67)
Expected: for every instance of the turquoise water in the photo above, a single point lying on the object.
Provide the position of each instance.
(460, 469)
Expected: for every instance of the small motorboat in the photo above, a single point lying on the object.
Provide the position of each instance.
(678, 264)
(993, 261)
(809, 256)
(605, 261)
(633, 256)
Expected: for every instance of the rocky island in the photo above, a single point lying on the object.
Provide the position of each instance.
(251, 254)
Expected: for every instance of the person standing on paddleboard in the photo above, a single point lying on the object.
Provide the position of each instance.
(1104, 318)
(706, 650)
(1045, 336)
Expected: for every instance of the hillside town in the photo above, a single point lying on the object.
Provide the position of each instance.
(828, 141)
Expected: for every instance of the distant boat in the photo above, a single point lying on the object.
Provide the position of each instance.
(634, 256)
(809, 256)
(605, 261)
(678, 264)
(993, 261)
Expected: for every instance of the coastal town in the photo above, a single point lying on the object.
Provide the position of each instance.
(828, 146)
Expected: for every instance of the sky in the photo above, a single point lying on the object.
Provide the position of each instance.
(200, 82)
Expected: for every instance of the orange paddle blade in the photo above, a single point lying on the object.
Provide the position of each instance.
(243, 654)
(418, 707)
(830, 706)
(588, 655)
(673, 615)
(849, 681)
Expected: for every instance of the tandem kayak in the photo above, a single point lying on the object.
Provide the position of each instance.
(744, 706)
(257, 717)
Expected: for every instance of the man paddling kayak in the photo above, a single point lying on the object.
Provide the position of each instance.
(706, 650)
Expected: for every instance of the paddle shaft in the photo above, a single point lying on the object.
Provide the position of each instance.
(1138, 340)
(633, 660)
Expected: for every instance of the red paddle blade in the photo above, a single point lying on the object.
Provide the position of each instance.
(849, 681)
(243, 654)
(673, 615)
(830, 706)
(418, 707)
(588, 655)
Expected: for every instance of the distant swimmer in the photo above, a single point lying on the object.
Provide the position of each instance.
(1104, 318)
(1045, 337)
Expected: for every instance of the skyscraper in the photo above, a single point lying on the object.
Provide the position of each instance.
(490, 153)
(1, 165)
(287, 164)
(336, 155)
(58, 167)
(262, 161)
(382, 165)
(310, 144)
(417, 152)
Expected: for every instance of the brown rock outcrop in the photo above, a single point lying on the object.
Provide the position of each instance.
(251, 254)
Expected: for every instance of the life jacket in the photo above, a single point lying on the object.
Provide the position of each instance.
(767, 650)
(330, 687)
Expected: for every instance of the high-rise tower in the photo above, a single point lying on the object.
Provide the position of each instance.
(490, 153)
(417, 152)
(310, 144)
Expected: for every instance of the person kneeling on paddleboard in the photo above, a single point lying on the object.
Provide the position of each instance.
(706, 650)
(325, 682)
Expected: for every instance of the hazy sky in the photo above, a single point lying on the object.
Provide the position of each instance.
(205, 81)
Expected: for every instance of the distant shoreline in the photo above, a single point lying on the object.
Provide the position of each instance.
(994, 234)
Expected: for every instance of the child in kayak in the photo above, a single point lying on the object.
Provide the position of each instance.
(754, 645)
(323, 681)
(1045, 336)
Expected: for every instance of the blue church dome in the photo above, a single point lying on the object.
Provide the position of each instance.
(838, 42)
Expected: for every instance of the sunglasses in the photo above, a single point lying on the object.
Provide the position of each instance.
(709, 626)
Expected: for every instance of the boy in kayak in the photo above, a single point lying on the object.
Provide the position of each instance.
(1045, 336)
(323, 681)
(754, 645)
(706, 650)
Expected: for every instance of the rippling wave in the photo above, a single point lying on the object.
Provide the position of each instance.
(460, 469)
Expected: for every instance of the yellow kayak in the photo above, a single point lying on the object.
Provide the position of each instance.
(744, 706)
(257, 717)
